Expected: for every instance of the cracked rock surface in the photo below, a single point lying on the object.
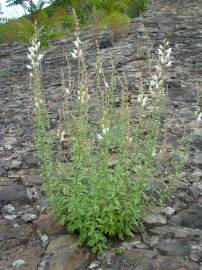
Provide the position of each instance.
(30, 237)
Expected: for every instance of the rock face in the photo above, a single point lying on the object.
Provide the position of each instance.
(172, 239)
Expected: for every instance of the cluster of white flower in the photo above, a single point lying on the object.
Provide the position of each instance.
(83, 95)
(105, 130)
(77, 52)
(35, 58)
(33, 55)
(38, 102)
(164, 53)
(142, 99)
(61, 134)
(199, 118)
(156, 84)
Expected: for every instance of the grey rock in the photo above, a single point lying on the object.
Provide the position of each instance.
(196, 253)
(198, 158)
(12, 234)
(13, 193)
(65, 258)
(197, 137)
(155, 219)
(18, 264)
(10, 217)
(94, 265)
(176, 232)
(28, 217)
(134, 244)
(173, 247)
(190, 218)
(9, 209)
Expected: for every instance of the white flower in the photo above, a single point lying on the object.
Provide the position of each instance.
(99, 137)
(105, 130)
(160, 52)
(162, 60)
(58, 132)
(139, 98)
(74, 54)
(62, 138)
(67, 91)
(80, 53)
(106, 84)
(40, 57)
(154, 77)
(37, 104)
(161, 47)
(199, 118)
(31, 51)
(29, 57)
(31, 74)
(144, 101)
(154, 153)
(168, 52)
(169, 64)
(77, 42)
(29, 67)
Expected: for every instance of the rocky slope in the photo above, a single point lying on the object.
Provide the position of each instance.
(30, 237)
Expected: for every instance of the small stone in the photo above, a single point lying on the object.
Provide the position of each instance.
(169, 211)
(9, 209)
(196, 253)
(94, 265)
(15, 164)
(29, 217)
(8, 146)
(10, 217)
(155, 219)
(44, 239)
(134, 244)
(18, 263)
(32, 193)
(154, 240)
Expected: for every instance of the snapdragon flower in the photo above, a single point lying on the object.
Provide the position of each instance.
(199, 118)
(77, 42)
(99, 137)
(74, 54)
(164, 55)
(77, 52)
(142, 99)
(33, 54)
(106, 84)
(157, 81)
(35, 59)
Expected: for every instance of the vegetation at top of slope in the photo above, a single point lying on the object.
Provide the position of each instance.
(56, 20)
